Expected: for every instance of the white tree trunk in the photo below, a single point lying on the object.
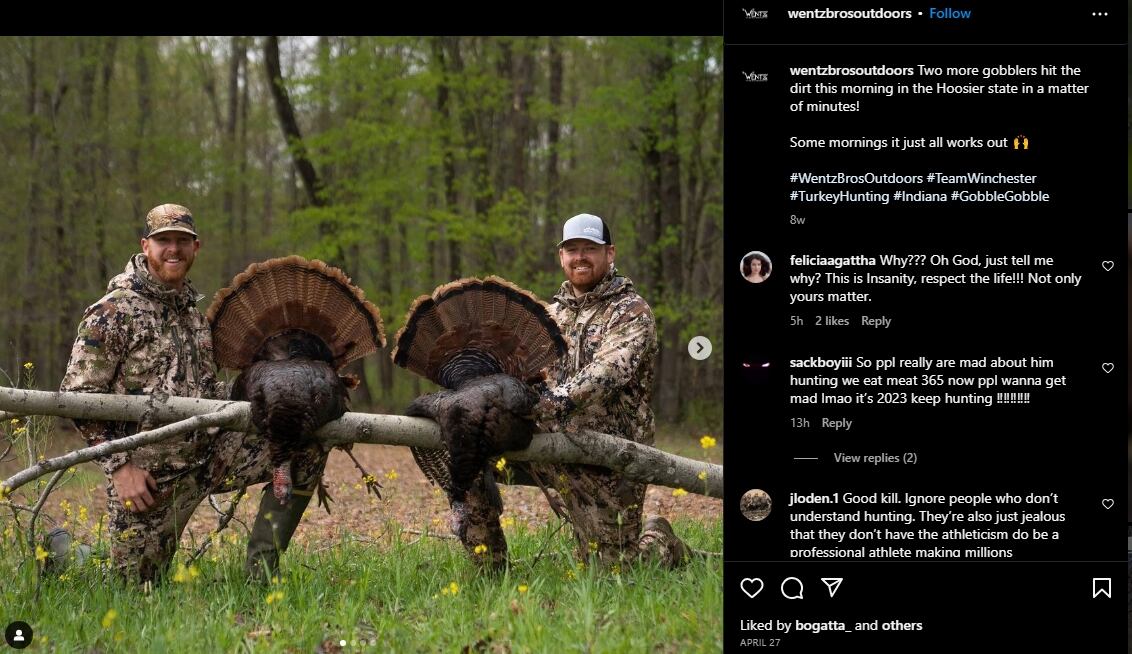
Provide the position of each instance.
(640, 463)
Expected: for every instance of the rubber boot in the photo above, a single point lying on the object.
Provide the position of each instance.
(62, 551)
(272, 531)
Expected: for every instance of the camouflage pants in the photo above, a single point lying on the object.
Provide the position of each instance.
(605, 511)
(143, 544)
(603, 507)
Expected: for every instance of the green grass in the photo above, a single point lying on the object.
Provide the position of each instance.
(392, 597)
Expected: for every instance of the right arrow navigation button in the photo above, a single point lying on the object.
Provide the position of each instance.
(699, 348)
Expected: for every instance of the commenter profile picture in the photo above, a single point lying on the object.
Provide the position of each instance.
(755, 504)
(755, 267)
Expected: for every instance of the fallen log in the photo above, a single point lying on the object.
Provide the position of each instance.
(638, 462)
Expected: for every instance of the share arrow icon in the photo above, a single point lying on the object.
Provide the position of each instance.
(832, 583)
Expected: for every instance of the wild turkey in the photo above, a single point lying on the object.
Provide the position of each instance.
(290, 324)
(485, 341)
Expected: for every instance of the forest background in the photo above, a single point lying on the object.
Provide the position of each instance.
(406, 161)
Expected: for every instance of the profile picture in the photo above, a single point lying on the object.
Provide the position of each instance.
(755, 267)
(755, 504)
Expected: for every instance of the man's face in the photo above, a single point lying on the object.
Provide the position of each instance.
(170, 256)
(585, 262)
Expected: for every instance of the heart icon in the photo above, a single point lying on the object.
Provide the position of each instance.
(1107, 367)
(751, 581)
(1107, 265)
(1107, 503)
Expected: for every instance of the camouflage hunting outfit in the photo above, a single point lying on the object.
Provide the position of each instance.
(604, 384)
(144, 338)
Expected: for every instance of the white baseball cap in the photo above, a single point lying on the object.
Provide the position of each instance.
(587, 226)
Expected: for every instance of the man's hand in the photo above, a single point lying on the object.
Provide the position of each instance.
(553, 407)
(136, 488)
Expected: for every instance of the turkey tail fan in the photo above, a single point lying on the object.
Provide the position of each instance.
(435, 464)
(491, 322)
(293, 293)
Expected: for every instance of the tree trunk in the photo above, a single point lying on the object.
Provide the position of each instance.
(109, 47)
(312, 184)
(208, 81)
(663, 169)
(523, 86)
(385, 290)
(552, 131)
(29, 320)
(244, 195)
(85, 157)
(454, 269)
(65, 248)
(228, 147)
(474, 142)
(635, 461)
(145, 104)
(289, 124)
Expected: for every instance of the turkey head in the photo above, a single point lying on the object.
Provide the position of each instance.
(290, 325)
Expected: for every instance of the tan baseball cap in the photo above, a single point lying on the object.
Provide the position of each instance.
(169, 218)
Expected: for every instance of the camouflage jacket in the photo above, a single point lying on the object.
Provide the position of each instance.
(608, 372)
(143, 338)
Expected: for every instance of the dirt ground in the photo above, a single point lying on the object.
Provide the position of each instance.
(407, 498)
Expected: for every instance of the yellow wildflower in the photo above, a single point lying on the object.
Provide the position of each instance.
(275, 596)
(452, 588)
(501, 464)
(593, 546)
(522, 588)
(707, 442)
(29, 365)
(40, 553)
(109, 618)
(480, 549)
(507, 522)
(15, 421)
(679, 492)
(83, 514)
(702, 476)
(391, 475)
(185, 574)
